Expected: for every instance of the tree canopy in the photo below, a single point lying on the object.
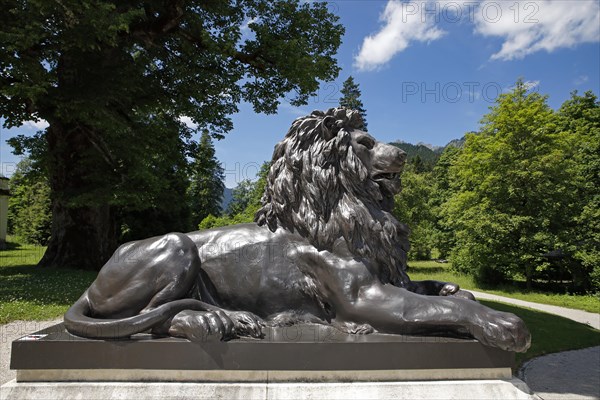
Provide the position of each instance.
(579, 118)
(75, 60)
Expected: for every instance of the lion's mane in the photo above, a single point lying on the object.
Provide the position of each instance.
(318, 187)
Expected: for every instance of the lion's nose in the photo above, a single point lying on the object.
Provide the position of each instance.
(401, 155)
(389, 157)
(397, 154)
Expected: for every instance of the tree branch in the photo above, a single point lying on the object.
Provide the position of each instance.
(154, 27)
(100, 146)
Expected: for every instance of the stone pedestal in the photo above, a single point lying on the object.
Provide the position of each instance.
(303, 361)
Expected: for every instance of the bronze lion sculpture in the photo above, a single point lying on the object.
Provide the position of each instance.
(325, 249)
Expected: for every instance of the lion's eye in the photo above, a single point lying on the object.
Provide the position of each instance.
(366, 141)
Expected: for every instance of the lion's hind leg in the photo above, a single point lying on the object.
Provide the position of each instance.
(145, 274)
(140, 288)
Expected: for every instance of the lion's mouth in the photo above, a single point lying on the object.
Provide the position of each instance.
(388, 181)
(390, 185)
(389, 176)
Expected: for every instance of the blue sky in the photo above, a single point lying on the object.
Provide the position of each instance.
(428, 70)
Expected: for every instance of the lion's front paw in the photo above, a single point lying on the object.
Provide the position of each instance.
(202, 326)
(503, 330)
(246, 324)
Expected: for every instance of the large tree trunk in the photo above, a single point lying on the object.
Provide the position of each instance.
(82, 237)
(528, 276)
(83, 234)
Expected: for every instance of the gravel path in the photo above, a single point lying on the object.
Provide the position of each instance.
(13, 331)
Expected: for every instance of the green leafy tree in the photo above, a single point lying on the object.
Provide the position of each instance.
(579, 117)
(29, 211)
(444, 232)
(413, 207)
(114, 78)
(512, 190)
(206, 188)
(351, 99)
(418, 165)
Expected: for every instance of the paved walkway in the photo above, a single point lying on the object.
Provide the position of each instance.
(584, 317)
(572, 375)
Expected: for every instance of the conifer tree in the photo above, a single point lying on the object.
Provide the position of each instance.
(351, 99)
(206, 188)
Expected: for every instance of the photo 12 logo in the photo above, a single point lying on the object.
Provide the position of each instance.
(8, 168)
(471, 11)
(450, 92)
(240, 172)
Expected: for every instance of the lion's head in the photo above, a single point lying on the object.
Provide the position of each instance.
(329, 180)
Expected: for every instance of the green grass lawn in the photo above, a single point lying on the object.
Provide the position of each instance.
(422, 270)
(549, 333)
(31, 293)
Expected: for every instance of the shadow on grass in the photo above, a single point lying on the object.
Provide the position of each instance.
(426, 270)
(549, 333)
(8, 246)
(520, 286)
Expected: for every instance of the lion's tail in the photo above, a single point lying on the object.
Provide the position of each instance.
(78, 322)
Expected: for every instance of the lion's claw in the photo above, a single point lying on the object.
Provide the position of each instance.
(247, 324)
(202, 326)
(449, 288)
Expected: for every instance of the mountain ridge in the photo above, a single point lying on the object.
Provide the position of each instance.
(427, 153)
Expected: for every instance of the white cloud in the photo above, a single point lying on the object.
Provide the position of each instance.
(187, 121)
(531, 26)
(403, 24)
(530, 85)
(39, 124)
(581, 79)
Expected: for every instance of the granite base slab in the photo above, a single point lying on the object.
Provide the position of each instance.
(301, 352)
(303, 361)
(512, 389)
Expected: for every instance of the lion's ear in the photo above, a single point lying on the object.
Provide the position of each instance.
(327, 127)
